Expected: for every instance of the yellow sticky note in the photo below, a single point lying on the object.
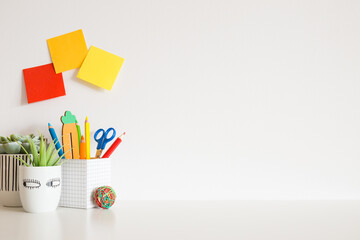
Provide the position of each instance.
(100, 68)
(67, 51)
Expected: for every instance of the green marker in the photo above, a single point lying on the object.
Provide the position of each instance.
(78, 130)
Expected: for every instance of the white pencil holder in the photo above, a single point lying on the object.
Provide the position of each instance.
(80, 178)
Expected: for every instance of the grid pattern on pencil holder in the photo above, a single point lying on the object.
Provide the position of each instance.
(79, 180)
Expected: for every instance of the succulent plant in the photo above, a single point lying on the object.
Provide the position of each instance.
(10, 145)
(46, 156)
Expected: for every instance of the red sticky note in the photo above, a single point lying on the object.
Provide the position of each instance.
(43, 83)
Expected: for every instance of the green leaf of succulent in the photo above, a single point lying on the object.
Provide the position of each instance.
(54, 158)
(15, 137)
(36, 139)
(57, 160)
(50, 150)
(25, 145)
(11, 147)
(4, 140)
(34, 152)
(42, 153)
(26, 164)
(60, 163)
(28, 154)
(1, 149)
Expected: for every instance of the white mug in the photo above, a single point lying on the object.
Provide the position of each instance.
(40, 188)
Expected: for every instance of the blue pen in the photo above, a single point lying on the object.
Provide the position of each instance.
(56, 140)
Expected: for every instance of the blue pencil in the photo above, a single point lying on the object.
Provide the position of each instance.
(56, 140)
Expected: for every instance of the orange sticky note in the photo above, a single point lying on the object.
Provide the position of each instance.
(100, 68)
(43, 83)
(67, 51)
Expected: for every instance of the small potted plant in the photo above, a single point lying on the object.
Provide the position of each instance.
(40, 182)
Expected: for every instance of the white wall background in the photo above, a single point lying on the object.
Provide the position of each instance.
(220, 99)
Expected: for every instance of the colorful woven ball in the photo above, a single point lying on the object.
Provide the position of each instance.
(104, 197)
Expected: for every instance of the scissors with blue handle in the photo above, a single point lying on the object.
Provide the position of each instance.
(103, 140)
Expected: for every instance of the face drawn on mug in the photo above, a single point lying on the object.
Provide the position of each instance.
(35, 184)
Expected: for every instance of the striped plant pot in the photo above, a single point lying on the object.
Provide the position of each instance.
(9, 183)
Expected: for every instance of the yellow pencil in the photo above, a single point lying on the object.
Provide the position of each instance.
(87, 138)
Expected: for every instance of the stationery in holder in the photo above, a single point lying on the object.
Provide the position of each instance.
(70, 136)
(82, 148)
(103, 139)
(87, 137)
(55, 140)
(114, 146)
(79, 132)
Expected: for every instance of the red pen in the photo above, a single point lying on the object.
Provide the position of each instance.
(113, 146)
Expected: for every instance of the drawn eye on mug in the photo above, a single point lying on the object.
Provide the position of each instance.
(54, 182)
(31, 183)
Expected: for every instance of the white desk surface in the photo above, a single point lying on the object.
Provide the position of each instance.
(172, 220)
